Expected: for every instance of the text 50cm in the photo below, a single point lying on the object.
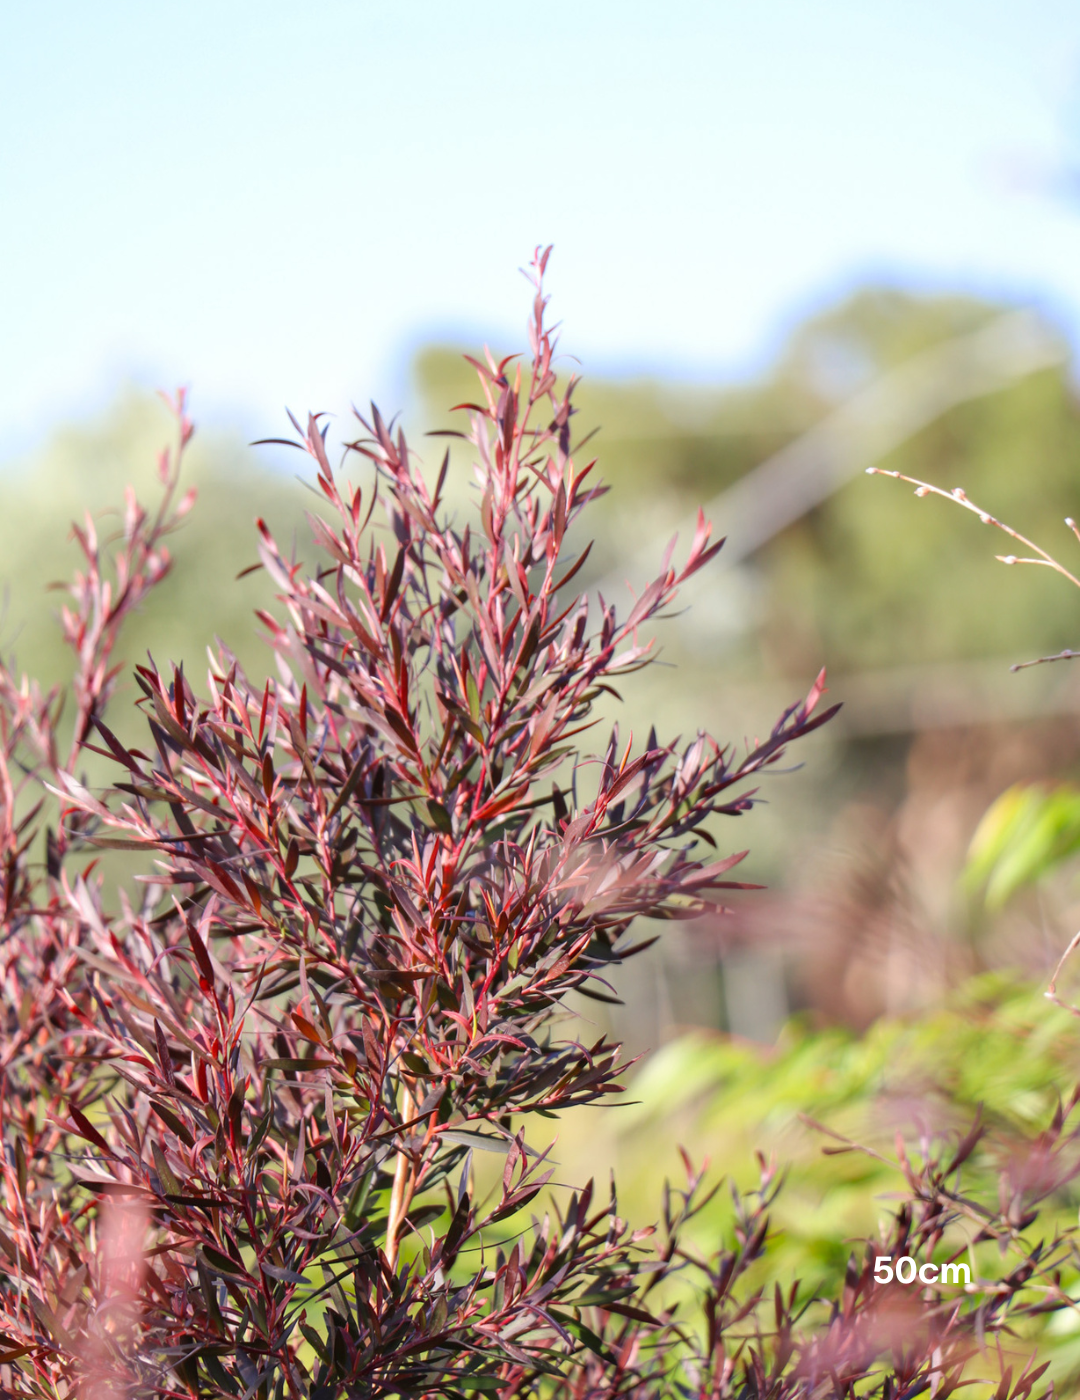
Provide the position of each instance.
(907, 1270)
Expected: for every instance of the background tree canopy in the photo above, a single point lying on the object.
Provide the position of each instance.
(901, 600)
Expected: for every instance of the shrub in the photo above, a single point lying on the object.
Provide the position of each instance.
(242, 1090)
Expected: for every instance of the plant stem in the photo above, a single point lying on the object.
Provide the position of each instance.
(401, 1192)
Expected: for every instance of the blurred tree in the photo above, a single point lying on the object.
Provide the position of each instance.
(827, 581)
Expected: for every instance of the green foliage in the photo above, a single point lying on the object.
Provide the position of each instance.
(1025, 834)
(997, 1048)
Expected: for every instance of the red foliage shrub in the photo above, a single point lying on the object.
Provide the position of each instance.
(241, 1093)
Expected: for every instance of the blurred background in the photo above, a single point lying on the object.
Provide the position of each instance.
(793, 240)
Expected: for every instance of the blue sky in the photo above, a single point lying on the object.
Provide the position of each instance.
(277, 203)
